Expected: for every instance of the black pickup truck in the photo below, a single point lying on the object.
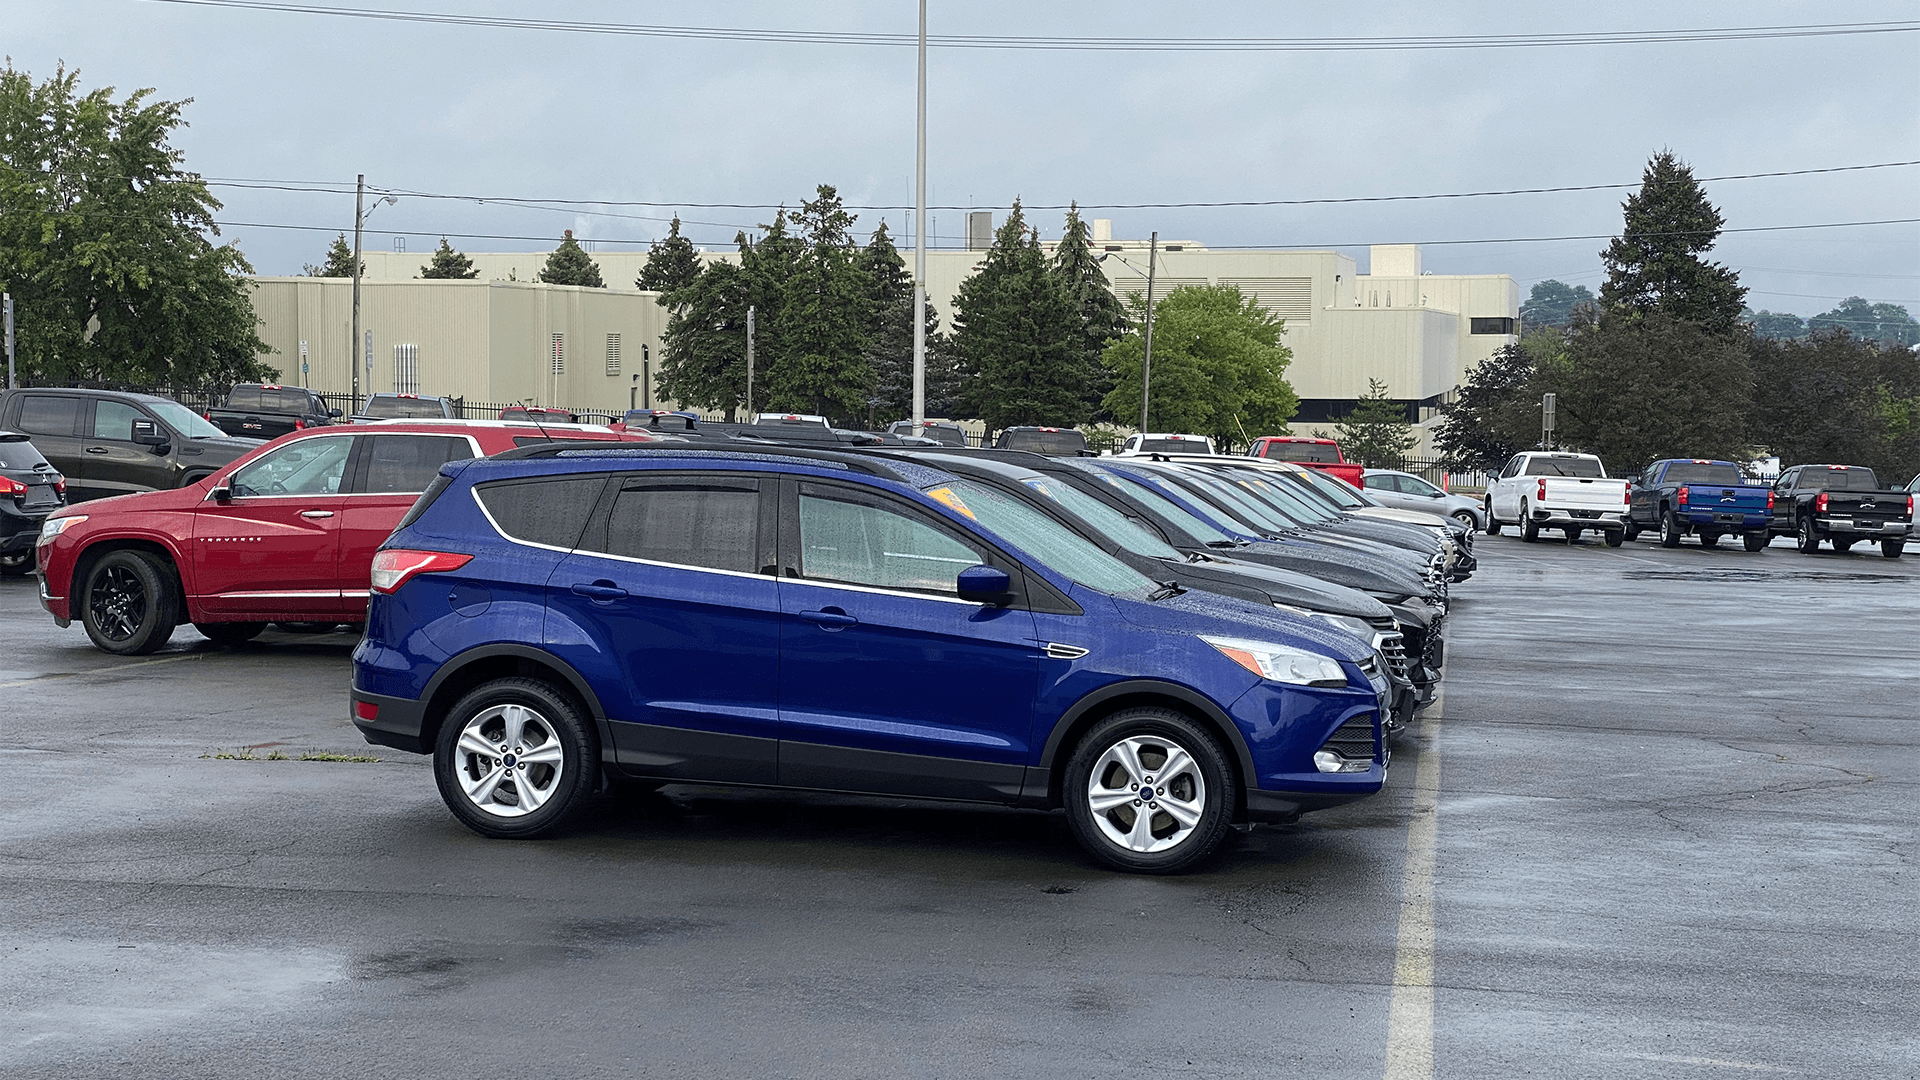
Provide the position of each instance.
(1842, 504)
(268, 411)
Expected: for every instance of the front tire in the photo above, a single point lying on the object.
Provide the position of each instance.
(1756, 541)
(1808, 540)
(230, 633)
(1892, 548)
(129, 605)
(16, 563)
(1616, 537)
(1493, 523)
(515, 759)
(1149, 791)
(1669, 530)
(1465, 517)
(1709, 539)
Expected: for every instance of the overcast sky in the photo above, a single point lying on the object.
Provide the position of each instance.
(505, 112)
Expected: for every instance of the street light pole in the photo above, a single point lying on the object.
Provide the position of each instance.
(1146, 358)
(749, 418)
(920, 240)
(353, 342)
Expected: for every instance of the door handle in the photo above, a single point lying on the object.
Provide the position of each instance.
(599, 590)
(831, 619)
(316, 513)
(97, 450)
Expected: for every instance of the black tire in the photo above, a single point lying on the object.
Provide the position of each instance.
(1709, 539)
(1616, 537)
(1844, 544)
(230, 633)
(1892, 548)
(1756, 541)
(1805, 538)
(1493, 523)
(1573, 535)
(1629, 531)
(17, 563)
(563, 780)
(1213, 794)
(1465, 517)
(307, 627)
(1529, 532)
(1669, 530)
(129, 605)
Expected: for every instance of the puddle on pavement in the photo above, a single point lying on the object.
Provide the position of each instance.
(1730, 573)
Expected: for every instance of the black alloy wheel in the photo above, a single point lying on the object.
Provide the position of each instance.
(230, 633)
(128, 606)
(1809, 541)
(1669, 530)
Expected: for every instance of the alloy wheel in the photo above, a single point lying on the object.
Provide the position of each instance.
(118, 603)
(509, 760)
(1146, 793)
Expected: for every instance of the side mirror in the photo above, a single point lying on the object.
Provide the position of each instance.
(221, 494)
(335, 413)
(148, 433)
(983, 584)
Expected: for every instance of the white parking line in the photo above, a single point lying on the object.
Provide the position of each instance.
(100, 671)
(1410, 1011)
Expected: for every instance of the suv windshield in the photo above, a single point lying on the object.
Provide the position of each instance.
(1166, 511)
(1237, 502)
(1108, 521)
(1048, 541)
(184, 420)
(1322, 453)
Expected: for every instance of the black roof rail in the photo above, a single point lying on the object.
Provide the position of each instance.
(750, 447)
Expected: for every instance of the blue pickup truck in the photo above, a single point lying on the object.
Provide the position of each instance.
(1695, 496)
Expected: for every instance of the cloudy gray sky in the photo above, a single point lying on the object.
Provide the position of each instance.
(468, 110)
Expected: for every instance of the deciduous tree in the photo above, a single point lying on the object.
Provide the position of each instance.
(1640, 388)
(1835, 398)
(1889, 323)
(1218, 366)
(1497, 411)
(1551, 304)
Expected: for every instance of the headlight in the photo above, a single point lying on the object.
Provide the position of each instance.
(53, 527)
(1280, 662)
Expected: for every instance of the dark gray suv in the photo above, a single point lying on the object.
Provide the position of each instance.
(113, 442)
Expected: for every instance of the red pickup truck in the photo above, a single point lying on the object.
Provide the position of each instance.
(285, 534)
(1322, 454)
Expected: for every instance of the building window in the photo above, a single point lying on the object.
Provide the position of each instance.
(406, 369)
(613, 354)
(1490, 326)
(559, 354)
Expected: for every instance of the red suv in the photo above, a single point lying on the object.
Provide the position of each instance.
(1322, 454)
(285, 534)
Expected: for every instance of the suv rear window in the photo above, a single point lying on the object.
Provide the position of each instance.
(1319, 453)
(552, 510)
(1063, 443)
(19, 454)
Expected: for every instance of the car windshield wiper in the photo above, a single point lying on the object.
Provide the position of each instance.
(1167, 589)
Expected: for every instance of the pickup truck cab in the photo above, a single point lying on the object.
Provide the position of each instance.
(1322, 454)
(1699, 497)
(285, 534)
(1841, 504)
(1154, 442)
(1551, 489)
(268, 411)
(385, 406)
(111, 442)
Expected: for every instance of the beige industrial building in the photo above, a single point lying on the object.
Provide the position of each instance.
(493, 338)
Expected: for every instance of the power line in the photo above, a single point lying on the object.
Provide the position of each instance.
(1081, 44)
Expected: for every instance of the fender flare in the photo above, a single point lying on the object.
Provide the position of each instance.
(459, 662)
(1189, 698)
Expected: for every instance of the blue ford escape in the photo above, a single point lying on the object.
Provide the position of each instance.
(556, 617)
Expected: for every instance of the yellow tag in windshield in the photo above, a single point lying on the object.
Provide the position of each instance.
(946, 496)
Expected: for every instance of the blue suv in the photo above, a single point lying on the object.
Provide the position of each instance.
(562, 616)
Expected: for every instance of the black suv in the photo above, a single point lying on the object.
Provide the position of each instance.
(30, 489)
(112, 442)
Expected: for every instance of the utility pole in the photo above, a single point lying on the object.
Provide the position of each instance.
(920, 241)
(646, 378)
(6, 301)
(749, 364)
(1146, 358)
(1547, 402)
(353, 341)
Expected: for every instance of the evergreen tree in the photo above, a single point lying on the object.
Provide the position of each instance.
(449, 264)
(339, 261)
(1218, 366)
(703, 351)
(1377, 432)
(1654, 265)
(823, 321)
(672, 264)
(767, 269)
(105, 243)
(1102, 318)
(571, 265)
(1551, 304)
(1016, 334)
(890, 333)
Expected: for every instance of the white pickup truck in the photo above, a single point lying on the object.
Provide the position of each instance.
(1542, 489)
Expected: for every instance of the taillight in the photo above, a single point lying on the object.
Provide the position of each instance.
(1682, 496)
(1909, 506)
(299, 424)
(1820, 503)
(1626, 499)
(13, 487)
(1540, 493)
(397, 566)
(1770, 500)
(60, 486)
(208, 415)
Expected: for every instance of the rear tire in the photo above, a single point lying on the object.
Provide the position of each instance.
(1174, 757)
(1529, 532)
(1669, 530)
(230, 633)
(515, 759)
(129, 605)
(1892, 548)
(1808, 540)
(1756, 541)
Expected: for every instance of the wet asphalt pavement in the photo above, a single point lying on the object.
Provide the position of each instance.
(1674, 832)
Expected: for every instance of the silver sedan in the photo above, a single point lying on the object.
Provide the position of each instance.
(1408, 492)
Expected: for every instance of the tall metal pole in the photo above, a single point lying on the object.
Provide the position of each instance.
(8, 304)
(353, 343)
(749, 417)
(1146, 359)
(920, 240)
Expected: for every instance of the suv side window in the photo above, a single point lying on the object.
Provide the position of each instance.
(855, 538)
(406, 464)
(114, 420)
(708, 522)
(49, 415)
(550, 511)
(306, 467)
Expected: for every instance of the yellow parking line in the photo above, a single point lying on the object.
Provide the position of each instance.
(1410, 1011)
(100, 671)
